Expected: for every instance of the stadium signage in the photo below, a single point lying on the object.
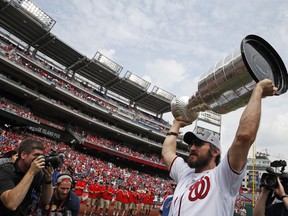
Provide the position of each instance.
(46, 122)
(45, 131)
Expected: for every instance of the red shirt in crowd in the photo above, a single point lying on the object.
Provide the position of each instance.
(98, 194)
(102, 188)
(108, 193)
(125, 197)
(151, 198)
(131, 197)
(145, 199)
(119, 195)
(136, 197)
(93, 191)
(79, 187)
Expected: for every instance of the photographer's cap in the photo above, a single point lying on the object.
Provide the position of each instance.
(203, 135)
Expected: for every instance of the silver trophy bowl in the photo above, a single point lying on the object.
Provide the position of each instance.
(228, 85)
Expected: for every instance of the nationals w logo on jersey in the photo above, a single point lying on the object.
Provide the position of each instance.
(200, 189)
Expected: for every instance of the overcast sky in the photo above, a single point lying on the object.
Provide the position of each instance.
(172, 43)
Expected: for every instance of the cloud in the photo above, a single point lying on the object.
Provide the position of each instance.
(166, 73)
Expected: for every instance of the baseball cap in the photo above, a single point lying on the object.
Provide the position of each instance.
(204, 135)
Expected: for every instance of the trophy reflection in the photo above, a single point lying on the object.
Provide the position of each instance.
(228, 85)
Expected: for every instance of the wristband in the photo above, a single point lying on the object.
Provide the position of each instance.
(282, 197)
(172, 134)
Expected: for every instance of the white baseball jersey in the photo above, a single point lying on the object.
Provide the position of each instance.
(212, 192)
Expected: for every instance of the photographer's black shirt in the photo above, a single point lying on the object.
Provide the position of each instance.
(10, 176)
(277, 209)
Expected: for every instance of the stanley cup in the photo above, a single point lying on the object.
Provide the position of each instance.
(228, 85)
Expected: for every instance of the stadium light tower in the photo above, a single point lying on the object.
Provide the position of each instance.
(36, 13)
(163, 93)
(99, 57)
(144, 84)
(209, 120)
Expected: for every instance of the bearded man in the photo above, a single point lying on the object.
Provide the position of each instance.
(64, 201)
(204, 186)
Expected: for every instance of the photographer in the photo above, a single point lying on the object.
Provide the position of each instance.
(19, 179)
(64, 201)
(279, 209)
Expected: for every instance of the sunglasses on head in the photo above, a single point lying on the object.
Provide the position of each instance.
(196, 142)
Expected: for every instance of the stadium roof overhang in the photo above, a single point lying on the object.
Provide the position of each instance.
(143, 99)
(135, 89)
(154, 103)
(99, 73)
(35, 32)
(15, 20)
(57, 50)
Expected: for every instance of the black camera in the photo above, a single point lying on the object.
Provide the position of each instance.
(269, 179)
(54, 159)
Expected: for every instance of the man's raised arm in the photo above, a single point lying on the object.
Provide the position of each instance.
(249, 124)
(170, 142)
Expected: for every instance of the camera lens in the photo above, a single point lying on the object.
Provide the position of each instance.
(54, 160)
(271, 181)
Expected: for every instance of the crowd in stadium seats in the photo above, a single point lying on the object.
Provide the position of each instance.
(240, 204)
(81, 89)
(21, 111)
(16, 109)
(123, 149)
(90, 117)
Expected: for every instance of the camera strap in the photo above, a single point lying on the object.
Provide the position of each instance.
(59, 208)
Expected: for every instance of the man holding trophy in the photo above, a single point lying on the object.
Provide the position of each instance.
(204, 185)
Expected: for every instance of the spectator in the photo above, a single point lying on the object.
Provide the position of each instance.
(106, 199)
(93, 191)
(79, 188)
(146, 206)
(135, 201)
(151, 201)
(125, 201)
(118, 201)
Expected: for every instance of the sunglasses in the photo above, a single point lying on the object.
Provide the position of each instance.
(196, 143)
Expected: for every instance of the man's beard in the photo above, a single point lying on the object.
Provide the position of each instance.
(61, 196)
(200, 161)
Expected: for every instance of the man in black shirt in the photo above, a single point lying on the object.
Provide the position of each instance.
(19, 179)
